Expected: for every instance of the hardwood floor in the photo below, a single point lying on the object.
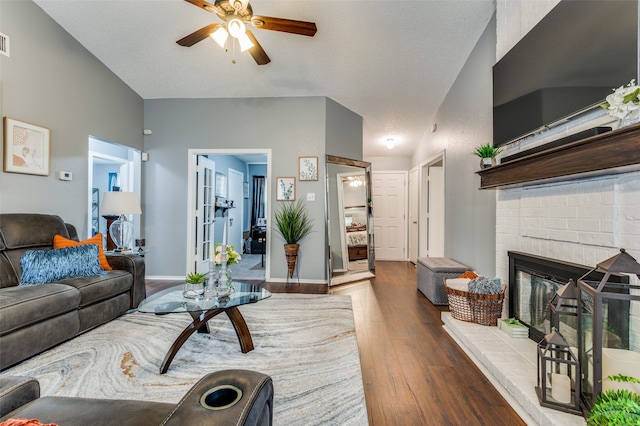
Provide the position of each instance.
(413, 372)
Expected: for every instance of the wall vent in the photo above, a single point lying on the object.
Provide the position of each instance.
(4, 44)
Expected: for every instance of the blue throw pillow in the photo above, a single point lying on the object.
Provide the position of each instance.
(484, 285)
(50, 265)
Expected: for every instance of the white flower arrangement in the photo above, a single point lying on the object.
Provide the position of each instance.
(233, 256)
(624, 102)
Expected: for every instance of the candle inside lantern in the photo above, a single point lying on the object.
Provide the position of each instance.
(561, 388)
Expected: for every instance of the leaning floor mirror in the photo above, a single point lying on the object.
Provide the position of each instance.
(349, 220)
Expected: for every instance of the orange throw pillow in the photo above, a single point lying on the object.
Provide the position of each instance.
(61, 242)
(470, 275)
(25, 422)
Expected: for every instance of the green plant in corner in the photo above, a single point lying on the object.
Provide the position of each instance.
(195, 278)
(616, 407)
(293, 224)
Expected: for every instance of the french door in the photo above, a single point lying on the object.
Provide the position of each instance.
(204, 212)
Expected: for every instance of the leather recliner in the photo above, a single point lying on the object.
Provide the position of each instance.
(213, 400)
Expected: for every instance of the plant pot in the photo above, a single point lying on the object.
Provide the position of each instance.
(191, 291)
(487, 162)
(291, 252)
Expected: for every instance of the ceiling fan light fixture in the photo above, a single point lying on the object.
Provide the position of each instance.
(220, 36)
(245, 42)
(390, 143)
(239, 5)
(236, 28)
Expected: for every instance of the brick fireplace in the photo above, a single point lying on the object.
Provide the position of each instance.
(582, 221)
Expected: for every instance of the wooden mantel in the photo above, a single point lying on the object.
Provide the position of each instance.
(608, 153)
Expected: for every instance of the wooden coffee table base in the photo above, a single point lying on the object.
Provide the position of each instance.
(200, 325)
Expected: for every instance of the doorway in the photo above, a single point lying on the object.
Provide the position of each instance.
(110, 165)
(389, 211)
(431, 207)
(414, 224)
(231, 200)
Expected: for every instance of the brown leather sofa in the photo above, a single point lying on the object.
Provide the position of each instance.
(36, 318)
(227, 397)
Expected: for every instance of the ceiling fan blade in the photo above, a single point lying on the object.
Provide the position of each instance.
(258, 53)
(202, 4)
(284, 25)
(198, 36)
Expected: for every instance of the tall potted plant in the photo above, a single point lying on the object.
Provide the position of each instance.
(293, 224)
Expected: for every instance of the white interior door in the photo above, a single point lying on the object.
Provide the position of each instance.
(414, 186)
(234, 221)
(436, 211)
(389, 207)
(204, 212)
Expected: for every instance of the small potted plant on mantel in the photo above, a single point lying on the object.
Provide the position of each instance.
(487, 154)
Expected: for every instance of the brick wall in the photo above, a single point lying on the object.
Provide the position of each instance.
(582, 221)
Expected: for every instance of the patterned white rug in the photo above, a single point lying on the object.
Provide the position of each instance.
(306, 343)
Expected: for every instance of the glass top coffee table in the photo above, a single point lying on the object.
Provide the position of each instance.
(171, 301)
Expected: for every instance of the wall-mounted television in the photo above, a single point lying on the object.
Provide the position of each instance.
(571, 60)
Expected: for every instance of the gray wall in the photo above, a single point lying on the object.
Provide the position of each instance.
(464, 121)
(343, 133)
(290, 127)
(50, 80)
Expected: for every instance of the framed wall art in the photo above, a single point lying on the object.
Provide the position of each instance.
(308, 168)
(221, 185)
(285, 188)
(26, 148)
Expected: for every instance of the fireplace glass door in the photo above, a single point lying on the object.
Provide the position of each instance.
(534, 292)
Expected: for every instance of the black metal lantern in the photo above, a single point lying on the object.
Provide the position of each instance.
(558, 381)
(604, 317)
(564, 312)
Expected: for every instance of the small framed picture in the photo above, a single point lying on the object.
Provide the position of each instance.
(308, 168)
(245, 189)
(221, 185)
(285, 188)
(26, 148)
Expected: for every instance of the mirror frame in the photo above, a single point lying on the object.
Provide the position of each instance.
(366, 166)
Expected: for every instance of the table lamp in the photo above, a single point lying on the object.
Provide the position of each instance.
(121, 204)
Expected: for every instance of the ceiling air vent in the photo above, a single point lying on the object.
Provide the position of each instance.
(4, 44)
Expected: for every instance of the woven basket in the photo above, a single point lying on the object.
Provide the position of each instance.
(484, 309)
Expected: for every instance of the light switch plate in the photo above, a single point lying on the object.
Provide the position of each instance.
(311, 196)
(65, 175)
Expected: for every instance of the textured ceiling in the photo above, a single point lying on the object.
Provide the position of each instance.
(392, 61)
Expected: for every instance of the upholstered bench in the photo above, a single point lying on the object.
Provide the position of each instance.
(431, 274)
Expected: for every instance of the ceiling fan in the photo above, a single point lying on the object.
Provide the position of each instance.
(236, 14)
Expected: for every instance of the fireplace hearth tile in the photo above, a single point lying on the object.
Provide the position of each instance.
(511, 366)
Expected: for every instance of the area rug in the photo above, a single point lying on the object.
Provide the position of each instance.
(306, 343)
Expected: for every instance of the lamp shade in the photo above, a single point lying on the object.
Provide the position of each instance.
(120, 203)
